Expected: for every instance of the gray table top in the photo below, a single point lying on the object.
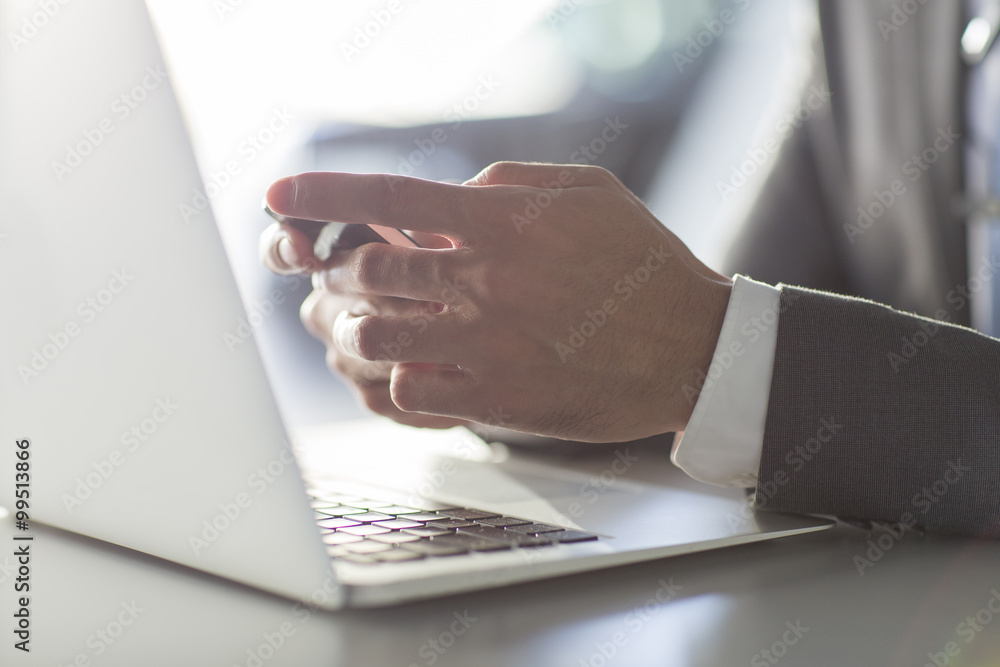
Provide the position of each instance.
(839, 597)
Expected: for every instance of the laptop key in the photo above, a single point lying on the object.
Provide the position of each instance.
(568, 536)
(344, 510)
(332, 522)
(398, 510)
(340, 538)
(395, 537)
(364, 530)
(453, 523)
(433, 548)
(472, 542)
(370, 504)
(533, 528)
(426, 517)
(428, 531)
(367, 547)
(489, 532)
(508, 536)
(399, 524)
(502, 521)
(363, 559)
(337, 551)
(397, 555)
(467, 514)
(334, 498)
(369, 517)
(320, 505)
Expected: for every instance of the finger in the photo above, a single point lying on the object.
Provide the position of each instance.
(433, 339)
(378, 199)
(434, 390)
(378, 399)
(359, 373)
(379, 269)
(320, 309)
(539, 175)
(285, 250)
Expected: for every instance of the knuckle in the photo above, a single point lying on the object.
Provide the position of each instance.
(591, 173)
(368, 266)
(367, 339)
(405, 394)
(501, 172)
(309, 314)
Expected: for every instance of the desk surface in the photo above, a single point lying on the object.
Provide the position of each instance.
(802, 600)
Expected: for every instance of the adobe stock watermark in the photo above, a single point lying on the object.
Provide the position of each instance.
(435, 647)
(391, 350)
(330, 589)
(757, 157)
(122, 107)
(455, 116)
(269, 645)
(713, 30)
(259, 312)
(723, 360)
(795, 460)
(87, 310)
(217, 180)
(230, 511)
(586, 154)
(271, 642)
(464, 448)
(366, 34)
(913, 170)
(595, 320)
(968, 629)
(8, 568)
(922, 501)
(592, 490)
(900, 15)
(779, 648)
(546, 195)
(589, 152)
(32, 24)
(562, 11)
(223, 8)
(960, 296)
(103, 638)
(131, 440)
(634, 621)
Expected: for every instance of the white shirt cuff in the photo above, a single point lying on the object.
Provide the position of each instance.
(724, 437)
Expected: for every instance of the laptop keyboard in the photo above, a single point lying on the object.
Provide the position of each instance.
(365, 530)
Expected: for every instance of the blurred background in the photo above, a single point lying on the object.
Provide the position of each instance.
(670, 95)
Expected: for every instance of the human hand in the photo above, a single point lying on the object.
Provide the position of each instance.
(560, 305)
(286, 249)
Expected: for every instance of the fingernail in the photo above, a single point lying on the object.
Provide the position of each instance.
(286, 252)
(281, 195)
(317, 282)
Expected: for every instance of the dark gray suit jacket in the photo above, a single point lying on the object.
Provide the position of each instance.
(874, 413)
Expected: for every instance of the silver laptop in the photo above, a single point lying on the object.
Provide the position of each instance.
(145, 428)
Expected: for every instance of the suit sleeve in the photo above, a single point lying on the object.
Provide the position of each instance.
(881, 415)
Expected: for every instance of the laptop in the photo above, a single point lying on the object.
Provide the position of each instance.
(145, 429)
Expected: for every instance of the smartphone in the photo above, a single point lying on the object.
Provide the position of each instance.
(329, 236)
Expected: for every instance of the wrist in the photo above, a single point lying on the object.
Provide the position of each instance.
(698, 351)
